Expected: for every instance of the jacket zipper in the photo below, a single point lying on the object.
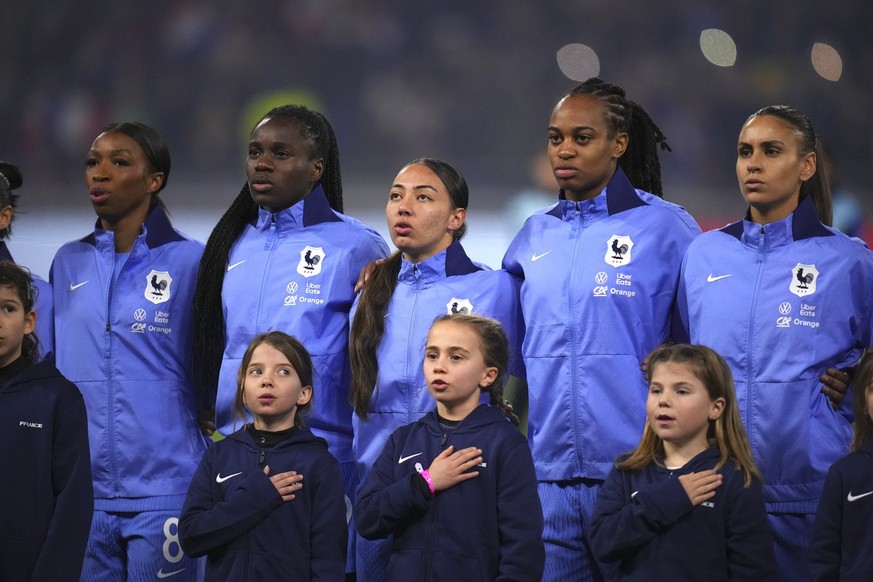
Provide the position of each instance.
(110, 372)
(411, 387)
(271, 240)
(750, 363)
(262, 457)
(428, 546)
(571, 302)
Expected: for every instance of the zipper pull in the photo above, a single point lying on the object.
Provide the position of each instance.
(443, 440)
(262, 458)
(761, 243)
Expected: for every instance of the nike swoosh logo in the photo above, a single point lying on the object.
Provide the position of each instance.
(713, 279)
(220, 479)
(851, 497)
(77, 285)
(162, 574)
(536, 257)
(235, 265)
(404, 459)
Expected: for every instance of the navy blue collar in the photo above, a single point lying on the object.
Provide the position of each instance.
(5, 255)
(159, 229)
(457, 261)
(316, 208)
(620, 195)
(804, 223)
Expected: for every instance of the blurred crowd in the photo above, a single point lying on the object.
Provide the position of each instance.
(470, 82)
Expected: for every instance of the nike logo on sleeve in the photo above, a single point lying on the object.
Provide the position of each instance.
(850, 498)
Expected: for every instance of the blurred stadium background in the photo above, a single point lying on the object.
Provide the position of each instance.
(472, 82)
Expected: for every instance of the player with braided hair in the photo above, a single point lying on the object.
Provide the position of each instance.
(600, 270)
(283, 257)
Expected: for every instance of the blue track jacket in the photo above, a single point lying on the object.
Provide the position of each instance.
(486, 528)
(128, 349)
(645, 521)
(842, 539)
(599, 285)
(46, 485)
(235, 516)
(447, 281)
(295, 271)
(782, 303)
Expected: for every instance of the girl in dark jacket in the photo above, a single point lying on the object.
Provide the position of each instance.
(686, 504)
(45, 459)
(457, 488)
(267, 502)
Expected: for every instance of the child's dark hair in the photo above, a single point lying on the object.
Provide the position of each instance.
(863, 382)
(495, 352)
(726, 431)
(10, 179)
(368, 327)
(18, 278)
(209, 330)
(640, 160)
(298, 357)
(816, 187)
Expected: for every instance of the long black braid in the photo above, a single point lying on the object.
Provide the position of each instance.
(640, 160)
(209, 324)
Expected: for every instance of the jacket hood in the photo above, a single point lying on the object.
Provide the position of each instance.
(483, 415)
(35, 372)
(303, 437)
(866, 447)
(701, 462)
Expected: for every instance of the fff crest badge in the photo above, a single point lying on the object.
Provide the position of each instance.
(157, 289)
(803, 280)
(311, 259)
(618, 250)
(458, 306)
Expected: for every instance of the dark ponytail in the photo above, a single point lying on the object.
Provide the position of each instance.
(368, 327)
(367, 331)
